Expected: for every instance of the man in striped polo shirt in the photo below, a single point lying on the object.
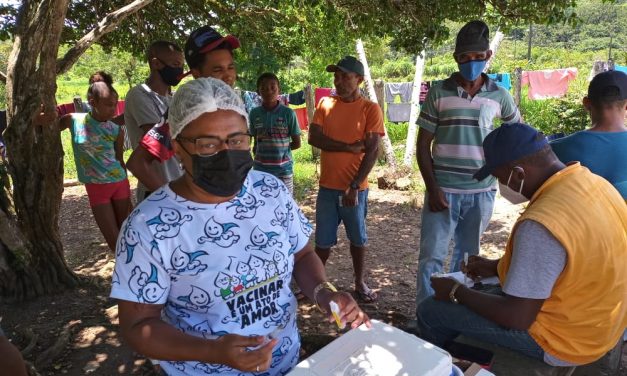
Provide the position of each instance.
(454, 119)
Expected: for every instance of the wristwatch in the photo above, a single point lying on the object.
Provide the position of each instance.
(324, 285)
(451, 294)
(354, 186)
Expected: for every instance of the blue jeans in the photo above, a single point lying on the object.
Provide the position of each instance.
(464, 221)
(329, 215)
(440, 322)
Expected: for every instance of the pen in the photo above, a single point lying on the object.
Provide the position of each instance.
(466, 263)
(335, 311)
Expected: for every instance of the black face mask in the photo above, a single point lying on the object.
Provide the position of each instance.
(223, 173)
(170, 75)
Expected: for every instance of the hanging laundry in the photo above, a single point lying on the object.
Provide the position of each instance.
(322, 92)
(398, 112)
(119, 108)
(620, 68)
(302, 118)
(549, 83)
(501, 79)
(297, 98)
(403, 89)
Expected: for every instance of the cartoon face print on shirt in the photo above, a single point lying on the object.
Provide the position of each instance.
(245, 205)
(205, 330)
(305, 226)
(219, 234)
(280, 351)
(225, 283)
(197, 300)
(184, 262)
(262, 241)
(280, 318)
(246, 275)
(280, 261)
(129, 241)
(269, 185)
(168, 223)
(281, 217)
(257, 266)
(145, 287)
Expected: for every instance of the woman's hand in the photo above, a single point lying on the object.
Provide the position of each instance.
(349, 309)
(480, 267)
(234, 351)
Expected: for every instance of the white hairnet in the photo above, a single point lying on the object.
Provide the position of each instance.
(199, 96)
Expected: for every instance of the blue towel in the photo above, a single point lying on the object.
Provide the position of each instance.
(501, 79)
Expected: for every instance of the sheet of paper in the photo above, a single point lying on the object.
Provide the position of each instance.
(459, 277)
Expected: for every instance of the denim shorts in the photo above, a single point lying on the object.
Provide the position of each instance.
(329, 215)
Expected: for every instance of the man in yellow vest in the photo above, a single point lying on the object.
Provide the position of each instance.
(564, 271)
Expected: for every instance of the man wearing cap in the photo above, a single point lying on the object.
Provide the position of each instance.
(563, 272)
(603, 147)
(208, 54)
(454, 119)
(147, 105)
(347, 128)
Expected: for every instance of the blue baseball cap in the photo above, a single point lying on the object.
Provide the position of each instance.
(508, 143)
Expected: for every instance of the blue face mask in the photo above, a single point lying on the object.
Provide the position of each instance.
(471, 70)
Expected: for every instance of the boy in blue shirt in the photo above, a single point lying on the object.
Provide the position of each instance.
(603, 147)
(276, 132)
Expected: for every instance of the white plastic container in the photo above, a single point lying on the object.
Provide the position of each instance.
(382, 350)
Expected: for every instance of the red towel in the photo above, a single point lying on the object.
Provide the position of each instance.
(301, 116)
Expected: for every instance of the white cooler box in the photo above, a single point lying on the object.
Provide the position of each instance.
(380, 351)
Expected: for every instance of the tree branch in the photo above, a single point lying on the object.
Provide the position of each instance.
(3, 77)
(107, 24)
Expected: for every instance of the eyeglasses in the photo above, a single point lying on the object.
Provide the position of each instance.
(207, 146)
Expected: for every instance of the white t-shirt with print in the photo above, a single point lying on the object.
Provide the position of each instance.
(217, 268)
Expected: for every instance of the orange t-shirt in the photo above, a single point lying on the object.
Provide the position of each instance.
(345, 122)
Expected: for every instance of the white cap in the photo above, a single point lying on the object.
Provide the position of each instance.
(200, 96)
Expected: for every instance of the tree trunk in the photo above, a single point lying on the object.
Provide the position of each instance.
(31, 253)
(387, 144)
(412, 131)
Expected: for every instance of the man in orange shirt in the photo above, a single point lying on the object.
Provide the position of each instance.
(347, 128)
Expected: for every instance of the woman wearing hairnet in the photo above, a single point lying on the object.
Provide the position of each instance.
(203, 266)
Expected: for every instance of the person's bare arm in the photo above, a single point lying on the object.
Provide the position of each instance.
(11, 361)
(119, 148)
(140, 164)
(144, 330)
(295, 144)
(437, 200)
(319, 140)
(309, 273)
(367, 163)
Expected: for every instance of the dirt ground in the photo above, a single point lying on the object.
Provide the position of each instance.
(83, 322)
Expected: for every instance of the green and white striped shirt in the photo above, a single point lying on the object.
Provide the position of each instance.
(460, 123)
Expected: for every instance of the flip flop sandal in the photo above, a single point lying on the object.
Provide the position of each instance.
(367, 296)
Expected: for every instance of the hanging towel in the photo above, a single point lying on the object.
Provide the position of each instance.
(501, 79)
(301, 117)
(297, 98)
(404, 89)
(322, 92)
(550, 83)
(398, 112)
